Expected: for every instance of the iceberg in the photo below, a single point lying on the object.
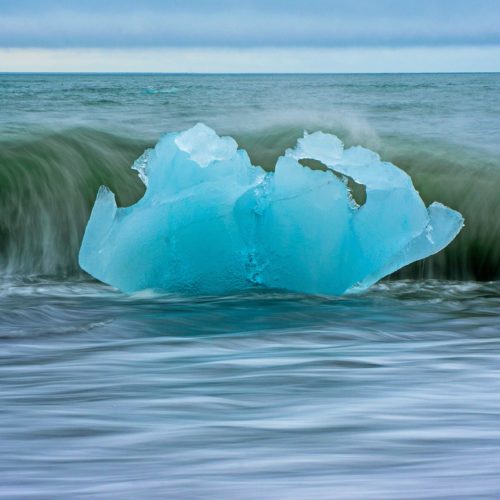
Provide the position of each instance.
(210, 222)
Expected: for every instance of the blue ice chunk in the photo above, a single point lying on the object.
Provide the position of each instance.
(211, 222)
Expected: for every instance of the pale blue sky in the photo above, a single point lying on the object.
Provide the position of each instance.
(256, 35)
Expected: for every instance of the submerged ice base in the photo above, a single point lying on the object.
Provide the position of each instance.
(210, 222)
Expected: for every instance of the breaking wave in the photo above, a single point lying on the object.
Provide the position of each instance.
(48, 183)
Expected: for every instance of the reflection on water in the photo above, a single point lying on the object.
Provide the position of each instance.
(394, 393)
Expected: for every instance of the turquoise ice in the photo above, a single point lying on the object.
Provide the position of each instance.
(210, 222)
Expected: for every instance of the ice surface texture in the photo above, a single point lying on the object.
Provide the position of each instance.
(210, 222)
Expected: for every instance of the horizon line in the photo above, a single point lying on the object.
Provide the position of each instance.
(257, 73)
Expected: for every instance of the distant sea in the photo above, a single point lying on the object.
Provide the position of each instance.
(394, 393)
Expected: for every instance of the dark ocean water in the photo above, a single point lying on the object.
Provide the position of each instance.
(394, 393)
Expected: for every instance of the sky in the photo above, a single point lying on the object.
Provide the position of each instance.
(250, 36)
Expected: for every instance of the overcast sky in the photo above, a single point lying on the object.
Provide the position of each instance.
(255, 35)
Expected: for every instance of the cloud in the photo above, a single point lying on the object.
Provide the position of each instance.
(253, 23)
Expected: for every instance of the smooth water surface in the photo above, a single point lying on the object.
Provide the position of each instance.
(391, 394)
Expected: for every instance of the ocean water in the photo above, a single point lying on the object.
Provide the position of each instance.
(394, 393)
